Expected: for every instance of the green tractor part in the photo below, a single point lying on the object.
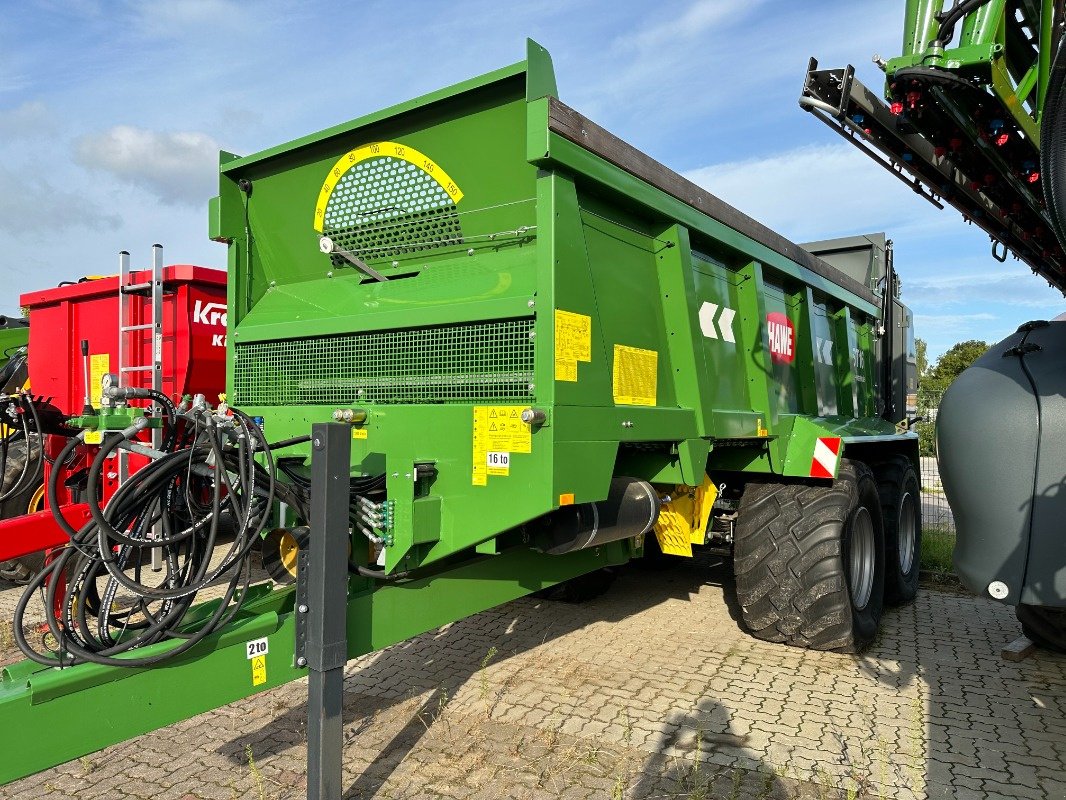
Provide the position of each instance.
(552, 354)
(14, 336)
(967, 106)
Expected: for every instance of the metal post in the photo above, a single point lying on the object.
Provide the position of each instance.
(123, 346)
(157, 372)
(326, 648)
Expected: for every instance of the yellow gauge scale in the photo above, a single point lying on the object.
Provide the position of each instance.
(380, 150)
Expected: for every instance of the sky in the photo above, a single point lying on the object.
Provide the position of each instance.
(112, 113)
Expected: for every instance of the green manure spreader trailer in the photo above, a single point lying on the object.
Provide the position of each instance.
(550, 355)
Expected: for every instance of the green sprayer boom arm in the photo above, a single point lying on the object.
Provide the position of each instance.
(962, 117)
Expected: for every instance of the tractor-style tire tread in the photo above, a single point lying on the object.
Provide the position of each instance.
(1046, 627)
(894, 476)
(789, 561)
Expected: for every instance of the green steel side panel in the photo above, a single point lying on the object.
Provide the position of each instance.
(727, 362)
(627, 291)
(564, 153)
(682, 305)
(453, 290)
(105, 705)
(783, 374)
(825, 376)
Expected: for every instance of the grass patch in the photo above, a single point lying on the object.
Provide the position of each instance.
(937, 545)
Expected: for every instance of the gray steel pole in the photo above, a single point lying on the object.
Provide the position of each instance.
(327, 603)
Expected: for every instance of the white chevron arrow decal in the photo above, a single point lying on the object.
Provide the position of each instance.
(708, 311)
(725, 324)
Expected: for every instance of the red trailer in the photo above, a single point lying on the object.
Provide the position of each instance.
(171, 322)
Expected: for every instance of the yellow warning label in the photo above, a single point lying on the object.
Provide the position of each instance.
(99, 365)
(358, 433)
(573, 343)
(259, 670)
(498, 432)
(636, 374)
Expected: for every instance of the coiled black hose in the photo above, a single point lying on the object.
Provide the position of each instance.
(211, 473)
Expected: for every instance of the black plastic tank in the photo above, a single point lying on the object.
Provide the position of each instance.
(1001, 445)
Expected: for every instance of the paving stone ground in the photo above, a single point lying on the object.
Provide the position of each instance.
(650, 691)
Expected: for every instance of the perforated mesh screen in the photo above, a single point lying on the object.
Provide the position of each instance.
(385, 207)
(486, 361)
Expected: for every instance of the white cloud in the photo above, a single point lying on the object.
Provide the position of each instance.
(819, 191)
(697, 19)
(30, 204)
(1014, 288)
(30, 119)
(177, 168)
(167, 19)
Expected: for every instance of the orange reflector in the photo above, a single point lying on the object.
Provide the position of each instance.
(566, 499)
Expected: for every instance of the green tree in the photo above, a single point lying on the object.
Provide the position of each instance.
(933, 381)
(921, 350)
(951, 364)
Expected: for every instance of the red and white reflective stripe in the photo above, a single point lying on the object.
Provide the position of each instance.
(826, 455)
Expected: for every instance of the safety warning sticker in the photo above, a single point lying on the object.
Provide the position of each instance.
(573, 343)
(259, 670)
(635, 376)
(498, 432)
(99, 365)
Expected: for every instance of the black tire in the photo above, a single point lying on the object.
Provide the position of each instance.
(1046, 627)
(580, 589)
(19, 570)
(793, 542)
(900, 492)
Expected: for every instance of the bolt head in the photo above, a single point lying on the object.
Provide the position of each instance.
(303, 608)
(301, 662)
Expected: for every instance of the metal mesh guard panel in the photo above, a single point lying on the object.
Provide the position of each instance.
(387, 207)
(445, 364)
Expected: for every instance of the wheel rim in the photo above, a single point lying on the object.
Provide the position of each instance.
(907, 533)
(861, 558)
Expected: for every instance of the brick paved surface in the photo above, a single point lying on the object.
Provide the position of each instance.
(650, 691)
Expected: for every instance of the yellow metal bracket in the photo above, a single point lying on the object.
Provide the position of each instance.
(684, 517)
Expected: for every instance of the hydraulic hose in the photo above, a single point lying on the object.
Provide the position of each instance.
(25, 479)
(211, 469)
(951, 17)
(1053, 142)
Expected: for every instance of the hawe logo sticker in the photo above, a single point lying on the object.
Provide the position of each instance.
(782, 336)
